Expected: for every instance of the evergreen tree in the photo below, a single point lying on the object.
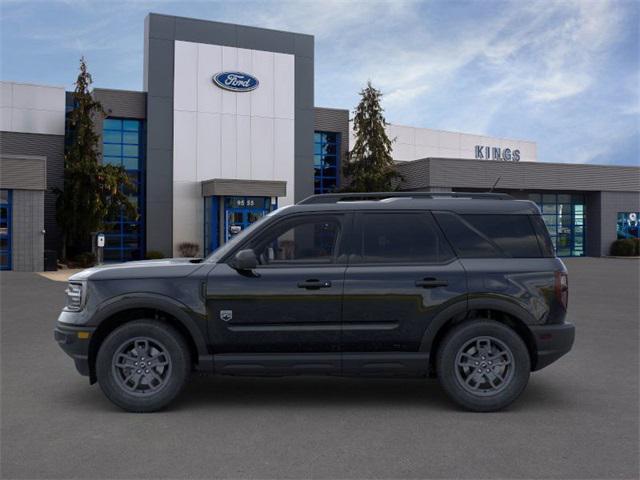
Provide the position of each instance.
(92, 191)
(369, 166)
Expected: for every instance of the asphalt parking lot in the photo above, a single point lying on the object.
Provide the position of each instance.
(578, 418)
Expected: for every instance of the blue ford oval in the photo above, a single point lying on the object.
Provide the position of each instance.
(236, 81)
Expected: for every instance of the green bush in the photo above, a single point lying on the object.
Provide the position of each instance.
(85, 260)
(154, 255)
(628, 247)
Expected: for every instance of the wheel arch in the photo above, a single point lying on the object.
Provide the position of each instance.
(498, 309)
(148, 306)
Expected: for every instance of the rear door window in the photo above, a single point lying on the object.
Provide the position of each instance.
(401, 237)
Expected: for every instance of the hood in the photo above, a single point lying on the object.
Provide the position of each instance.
(165, 268)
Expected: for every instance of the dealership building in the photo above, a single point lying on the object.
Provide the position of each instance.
(225, 130)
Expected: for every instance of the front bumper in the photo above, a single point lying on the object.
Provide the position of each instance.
(75, 343)
(552, 342)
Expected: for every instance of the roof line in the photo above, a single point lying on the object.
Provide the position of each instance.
(402, 162)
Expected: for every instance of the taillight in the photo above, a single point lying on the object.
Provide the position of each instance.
(562, 288)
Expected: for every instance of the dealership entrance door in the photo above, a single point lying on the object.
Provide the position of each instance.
(227, 216)
(240, 212)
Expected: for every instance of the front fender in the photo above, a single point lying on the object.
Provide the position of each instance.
(195, 323)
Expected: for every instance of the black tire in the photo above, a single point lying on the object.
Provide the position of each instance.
(463, 369)
(121, 365)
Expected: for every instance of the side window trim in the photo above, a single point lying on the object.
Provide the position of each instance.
(356, 256)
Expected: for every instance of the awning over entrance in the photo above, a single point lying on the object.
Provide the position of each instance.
(249, 188)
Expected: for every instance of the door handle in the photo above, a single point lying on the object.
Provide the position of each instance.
(431, 283)
(314, 284)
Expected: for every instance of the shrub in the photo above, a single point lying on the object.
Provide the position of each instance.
(188, 249)
(628, 247)
(154, 255)
(85, 260)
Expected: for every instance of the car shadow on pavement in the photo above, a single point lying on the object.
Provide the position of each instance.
(206, 391)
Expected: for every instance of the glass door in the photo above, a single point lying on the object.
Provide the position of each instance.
(240, 212)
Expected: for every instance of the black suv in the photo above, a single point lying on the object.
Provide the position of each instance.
(462, 286)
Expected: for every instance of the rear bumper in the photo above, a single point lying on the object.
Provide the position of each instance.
(75, 343)
(552, 342)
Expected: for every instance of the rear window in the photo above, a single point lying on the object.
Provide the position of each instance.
(487, 236)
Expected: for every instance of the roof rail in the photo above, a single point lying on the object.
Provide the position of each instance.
(355, 197)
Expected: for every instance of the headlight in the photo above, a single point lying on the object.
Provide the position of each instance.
(75, 297)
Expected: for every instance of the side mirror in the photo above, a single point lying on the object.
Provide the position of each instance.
(245, 260)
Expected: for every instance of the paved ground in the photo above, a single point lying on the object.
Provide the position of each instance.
(577, 419)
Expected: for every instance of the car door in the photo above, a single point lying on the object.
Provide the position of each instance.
(292, 302)
(401, 275)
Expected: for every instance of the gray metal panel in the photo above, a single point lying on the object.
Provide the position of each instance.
(160, 68)
(415, 175)
(254, 188)
(593, 225)
(161, 32)
(23, 171)
(303, 159)
(263, 39)
(304, 84)
(26, 231)
(303, 45)
(482, 174)
(51, 147)
(202, 31)
(160, 26)
(122, 103)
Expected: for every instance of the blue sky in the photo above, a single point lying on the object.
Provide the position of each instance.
(564, 74)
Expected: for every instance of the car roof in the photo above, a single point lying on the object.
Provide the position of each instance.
(458, 202)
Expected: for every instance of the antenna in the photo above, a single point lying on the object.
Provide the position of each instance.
(496, 183)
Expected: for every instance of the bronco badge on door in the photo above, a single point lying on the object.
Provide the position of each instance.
(226, 315)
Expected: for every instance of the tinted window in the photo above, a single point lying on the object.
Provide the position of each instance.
(544, 240)
(402, 237)
(513, 234)
(302, 240)
(467, 242)
(491, 235)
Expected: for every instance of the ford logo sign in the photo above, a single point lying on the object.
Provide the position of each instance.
(236, 81)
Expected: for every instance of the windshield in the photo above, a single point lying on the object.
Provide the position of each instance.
(223, 250)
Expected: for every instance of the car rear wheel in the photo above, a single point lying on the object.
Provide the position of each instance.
(483, 365)
(143, 365)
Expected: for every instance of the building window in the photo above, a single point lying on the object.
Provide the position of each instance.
(123, 145)
(326, 162)
(565, 217)
(5, 229)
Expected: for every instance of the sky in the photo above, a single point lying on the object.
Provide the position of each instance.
(565, 74)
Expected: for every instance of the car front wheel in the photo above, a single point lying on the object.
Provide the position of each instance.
(483, 365)
(143, 365)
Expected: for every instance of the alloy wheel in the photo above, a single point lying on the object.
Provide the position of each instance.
(141, 366)
(484, 366)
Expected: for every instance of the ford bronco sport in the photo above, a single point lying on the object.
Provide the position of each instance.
(462, 286)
